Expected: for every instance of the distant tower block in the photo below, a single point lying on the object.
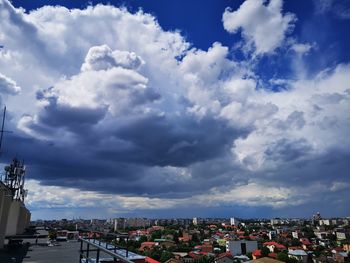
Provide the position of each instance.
(234, 221)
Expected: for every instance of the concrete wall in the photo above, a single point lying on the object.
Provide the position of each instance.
(234, 247)
(23, 220)
(5, 203)
(13, 217)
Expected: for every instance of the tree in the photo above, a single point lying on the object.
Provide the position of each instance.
(143, 238)
(176, 237)
(156, 235)
(265, 251)
(282, 256)
(250, 255)
(166, 255)
(195, 238)
(295, 242)
(292, 260)
(52, 234)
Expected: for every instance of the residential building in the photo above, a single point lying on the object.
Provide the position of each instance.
(241, 247)
(298, 254)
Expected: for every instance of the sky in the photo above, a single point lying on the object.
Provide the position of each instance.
(153, 108)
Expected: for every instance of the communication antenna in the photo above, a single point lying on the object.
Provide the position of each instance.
(14, 179)
(15, 172)
(2, 131)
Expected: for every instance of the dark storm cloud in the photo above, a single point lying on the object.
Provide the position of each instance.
(151, 142)
(288, 150)
(324, 168)
(73, 118)
(176, 141)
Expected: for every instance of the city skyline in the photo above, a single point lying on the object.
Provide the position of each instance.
(153, 109)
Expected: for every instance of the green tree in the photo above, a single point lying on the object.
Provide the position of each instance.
(265, 251)
(195, 238)
(282, 256)
(52, 234)
(156, 235)
(176, 237)
(292, 260)
(143, 239)
(295, 242)
(166, 255)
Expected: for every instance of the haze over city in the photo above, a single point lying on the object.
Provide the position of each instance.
(167, 109)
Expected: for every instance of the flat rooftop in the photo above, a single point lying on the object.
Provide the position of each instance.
(67, 252)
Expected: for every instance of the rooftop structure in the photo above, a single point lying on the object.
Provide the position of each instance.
(14, 217)
(117, 253)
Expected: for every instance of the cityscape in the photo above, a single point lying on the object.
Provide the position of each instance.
(174, 131)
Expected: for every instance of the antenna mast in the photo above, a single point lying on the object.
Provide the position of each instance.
(2, 127)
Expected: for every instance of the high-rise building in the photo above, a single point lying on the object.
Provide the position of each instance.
(234, 221)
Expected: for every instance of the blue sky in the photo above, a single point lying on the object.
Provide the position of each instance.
(179, 108)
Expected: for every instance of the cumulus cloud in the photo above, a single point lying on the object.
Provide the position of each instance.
(8, 86)
(103, 58)
(146, 121)
(262, 23)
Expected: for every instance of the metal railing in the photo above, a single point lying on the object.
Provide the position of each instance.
(117, 253)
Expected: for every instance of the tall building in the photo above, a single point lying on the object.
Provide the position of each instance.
(234, 221)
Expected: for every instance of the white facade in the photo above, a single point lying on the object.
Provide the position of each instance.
(5, 203)
(234, 221)
(272, 234)
(237, 247)
(14, 216)
(295, 234)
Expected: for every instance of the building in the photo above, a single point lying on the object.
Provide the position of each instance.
(298, 254)
(265, 260)
(234, 221)
(272, 234)
(274, 246)
(224, 258)
(241, 247)
(346, 247)
(14, 216)
(5, 203)
(341, 235)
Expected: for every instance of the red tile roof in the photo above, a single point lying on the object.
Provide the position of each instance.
(257, 253)
(305, 241)
(277, 245)
(225, 254)
(151, 260)
(295, 248)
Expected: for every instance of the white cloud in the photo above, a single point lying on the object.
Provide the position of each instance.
(338, 186)
(263, 24)
(103, 58)
(104, 77)
(319, 104)
(339, 8)
(43, 196)
(8, 86)
(301, 48)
